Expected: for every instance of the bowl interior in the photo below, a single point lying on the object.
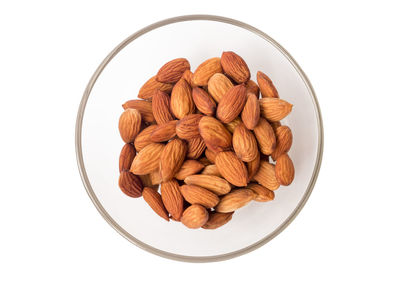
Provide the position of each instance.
(120, 81)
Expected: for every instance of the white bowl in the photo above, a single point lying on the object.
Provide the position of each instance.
(119, 77)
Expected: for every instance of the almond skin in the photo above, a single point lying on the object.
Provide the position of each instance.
(203, 101)
(211, 170)
(149, 88)
(274, 109)
(172, 71)
(251, 111)
(155, 177)
(146, 181)
(214, 134)
(205, 161)
(172, 158)
(253, 88)
(215, 184)
(195, 216)
(144, 108)
(130, 184)
(129, 125)
(266, 176)
(210, 155)
(188, 76)
(232, 125)
(265, 136)
(206, 70)
(164, 132)
(153, 199)
(275, 125)
(253, 166)
(235, 67)
(196, 147)
(267, 88)
(218, 85)
(188, 127)
(284, 170)
(235, 200)
(198, 195)
(217, 219)
(161, 107)
(188, 168)
(172, 198)
(231, 104)
(244, 143)
(147, 160)
(181, 99)
(231, 168)
(144, 137)
(126, 157)
(284, 139)
(262, 193)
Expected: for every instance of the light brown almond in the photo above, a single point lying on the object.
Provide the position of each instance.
(126, 157)
(267, 88)
(218, 85)
(274, 109)
(265, 137)
(188, 76)
(213, 183)
(284, 140)
(231, 168)
(195, 216)
(155, 177)
(144, 108)
(244, 143)
(235, 200)
(266, 176)
(231, 104)
(130, 184)
(284, 170)
(172, 198)
(253, 166)
(232, 125)
(146, 180)
(217, 219)
(129, 125)
(172, 71)
(164, 132)
(235, 67)
(198, 195)
(188, 127)
(143, 138)
(210, 155)
(262, 193)
(147, 160)
(214, 134)
(203, 101)
(251, 111)
(161, 107)
(196, 147)
(253, 88)
(149, 88)
(172, 158)
(181, 99)
(206, 70)
(153, 199)
(189, 167)
(211, 170)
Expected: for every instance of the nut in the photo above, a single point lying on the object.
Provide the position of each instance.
(172, 198)
(164, 132)
(244, 143)
(129, 125)
(262, 193)
(161, 107)
(284, 170)
(231, 104)
(267, 88)
(188, 168)
(126, 157)
(153, 198)
(251, 111)
(203, 101)
(198, 195)
(217, 219)
(218, 85)
(172, 71)
(195, 216)
(214, 134)
(149, 88)
(130, 184)
(181, 99)
(144, 108)
(231, 168)
(274, 109)
(265, 136)
(235, 200)
(206, 70)
(213, 183)
(266, 176)
(172, 158)
(147, 160)
(235, 67)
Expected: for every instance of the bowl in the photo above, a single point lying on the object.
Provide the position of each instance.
(120, 76)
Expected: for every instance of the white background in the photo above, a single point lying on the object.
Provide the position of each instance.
(348, 230)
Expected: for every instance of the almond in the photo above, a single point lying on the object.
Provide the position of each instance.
(203, 101)
(206, 70)
(244, 143)
(143, 138)
(188, 127)
(232, 125)
(144, 108)
(153, 198)
(214, 134)
(211, 155)
(251, 111)
(196, 147)
(267, 88)
(147, 160)
(164, 132)
(146, 181)
(235, 67)
(231, 168)
(217, 219)
(235, 200)
(172, 158)
(274, 109)
(126, 157)
(253, 166)
(205, 161)
(275, 125)
(284, 140)
(252, 87)
(265, 136)
(195, 216)
(149, 88)
(161, 107)
(130, 184)
(284, 170)
(262, 194)
(218, 85)
(188, 76)
(129, 125)
(266, 176)
(181, 99)
(231, 104)
(172, 198)
(172, 71)
(213, 183)
(211, 170)
(155, 177)
(189, 167)
(198, 195)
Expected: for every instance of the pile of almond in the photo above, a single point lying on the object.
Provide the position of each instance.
(207, 139)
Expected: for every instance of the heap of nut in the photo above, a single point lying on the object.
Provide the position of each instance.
(207, 139)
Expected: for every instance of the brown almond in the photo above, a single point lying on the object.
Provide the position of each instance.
(235, 200)
(275, 125)
(210, 155)
(204, 161)
(188, 127)
(203, 101)
(164, 132)
(284, 170)
(172, 158)
(149, 88)
(284, 140)
(232, 125)
(144, 108)
(253, 88)
(188, 76)
(235, 67)
(213, 183)
(253, 166)
(206, 70)
(262, 193)
(265, 137)
(251, 111)
(231, 168)
(196, 147)
(161, 107)
(130, 184)
(218, 85)
(153, 199)
(214, 134)
(211, 170)
(195, 216)
(244, 143)
(274, 109)
(143, 138)
(126, 157)
(217, 219)
(231, 104)
(198, 195)
(129, 125)
(155, 177)
(172, 71)
(147, 160)
(189, 167)
(181, 99)
(172, 198)
(266, 176)
(267, 88)
(146, 181)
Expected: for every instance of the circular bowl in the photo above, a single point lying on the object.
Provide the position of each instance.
(118, 79)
